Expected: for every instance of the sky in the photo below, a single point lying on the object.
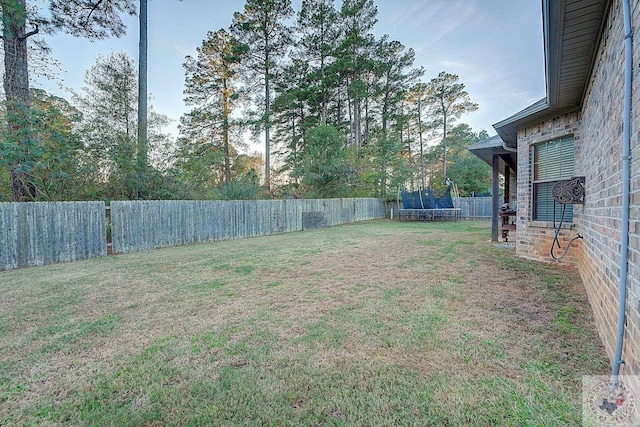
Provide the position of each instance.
(494, 46)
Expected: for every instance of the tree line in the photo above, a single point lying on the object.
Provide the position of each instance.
(339, 113)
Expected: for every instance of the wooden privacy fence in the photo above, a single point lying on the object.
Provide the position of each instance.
(44, 233)
(144, 225)
(475, 208)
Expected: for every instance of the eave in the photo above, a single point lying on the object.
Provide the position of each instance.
(492, 146)
(572, 31)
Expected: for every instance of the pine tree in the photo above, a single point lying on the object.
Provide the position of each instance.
(418, 101)
(357, 18)
(319, 33)
(212, 87)
(93, 19)
(260, 26)
(450, 101)
(143, 143)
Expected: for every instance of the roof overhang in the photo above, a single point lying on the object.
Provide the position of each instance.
(572, 31)
(490, 147)
(533, 114)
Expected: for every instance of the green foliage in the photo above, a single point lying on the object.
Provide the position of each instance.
(237, 191)
(19, 146)
(261, 28)
(245, 187)
(109, 124)
(324, 76)
(470, 174)
(383, 167)
(58, 172)
(5, 194)
(212, 89)
(93, 19)
(449, 98)
(323, 167)
(46, 150)
(448, 101)
(109, 129)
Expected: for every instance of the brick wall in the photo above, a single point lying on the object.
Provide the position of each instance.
(598, 156)
(601, 164)
(513, 186)
(535, 237)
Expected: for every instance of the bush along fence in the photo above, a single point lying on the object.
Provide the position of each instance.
(44, 233)
(34, 234)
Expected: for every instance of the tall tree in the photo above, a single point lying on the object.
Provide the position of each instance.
(143, 143)
(292, 111)
(450, 101)
(417, 97)
(94, 19)
(261, 27)
(305, 87)
(109, 128)
(16, 89)
(395, 76)
(358, 18)
(212, 87)
(109, 124)
(317, 25)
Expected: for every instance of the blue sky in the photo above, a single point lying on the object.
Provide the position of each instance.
(495, 46)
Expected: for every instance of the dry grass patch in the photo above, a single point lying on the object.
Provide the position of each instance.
(378, 323)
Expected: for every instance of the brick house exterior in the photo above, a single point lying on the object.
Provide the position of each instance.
(584, 58)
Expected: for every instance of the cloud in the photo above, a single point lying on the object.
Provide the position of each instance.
(424, 20)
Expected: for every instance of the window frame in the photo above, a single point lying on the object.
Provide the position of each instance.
(558, 165)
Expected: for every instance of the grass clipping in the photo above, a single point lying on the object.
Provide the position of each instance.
(378, 323)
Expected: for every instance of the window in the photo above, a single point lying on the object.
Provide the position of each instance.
(552, 161)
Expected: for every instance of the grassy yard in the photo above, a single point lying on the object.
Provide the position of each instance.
(378, 323)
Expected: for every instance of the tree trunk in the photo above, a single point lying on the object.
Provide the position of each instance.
(143, 142)
(267, 125)
(444, 148)
(225, 133)
(16, 87)
(424, 185)
(323, 100)
(365, 140)
(357, 126)
(352, 137)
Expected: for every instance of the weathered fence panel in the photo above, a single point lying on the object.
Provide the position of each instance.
(44, 233)
(475, 208)
(144, 225)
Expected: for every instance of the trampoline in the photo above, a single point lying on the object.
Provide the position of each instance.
(425, 205)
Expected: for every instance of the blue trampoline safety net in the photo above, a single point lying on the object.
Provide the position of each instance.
(426, 199)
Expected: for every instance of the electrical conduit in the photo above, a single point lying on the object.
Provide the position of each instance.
(626, 158)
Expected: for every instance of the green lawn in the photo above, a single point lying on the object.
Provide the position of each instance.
(378, 323)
